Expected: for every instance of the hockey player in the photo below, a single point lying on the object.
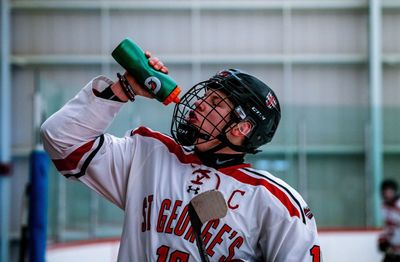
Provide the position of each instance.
(389, 240)
(152, 176)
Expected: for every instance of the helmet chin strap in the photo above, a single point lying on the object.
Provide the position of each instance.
(189, 133)
(226, 143)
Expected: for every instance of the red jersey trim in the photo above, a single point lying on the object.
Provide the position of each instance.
(278, 193)
(172, 146)
(72, 160)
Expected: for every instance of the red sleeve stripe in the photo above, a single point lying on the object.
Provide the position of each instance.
(278, 193)
(172, 146)
(72, 160)
(283, 188)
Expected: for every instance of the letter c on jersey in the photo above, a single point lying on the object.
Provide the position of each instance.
(231, 197)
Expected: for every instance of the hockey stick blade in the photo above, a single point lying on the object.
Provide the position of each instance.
(204, 207)
(209, 205)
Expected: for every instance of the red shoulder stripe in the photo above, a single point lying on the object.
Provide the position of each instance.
(72, 160)
(276, 191)
(172, 146)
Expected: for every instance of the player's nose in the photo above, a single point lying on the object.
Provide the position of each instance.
(200, 104)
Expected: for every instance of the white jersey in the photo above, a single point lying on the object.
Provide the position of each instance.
(152, 178)
(391, 216)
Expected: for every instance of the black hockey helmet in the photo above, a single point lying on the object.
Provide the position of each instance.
(253, 101)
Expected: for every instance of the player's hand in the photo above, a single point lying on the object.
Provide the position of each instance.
(156, 63)
(139, 90)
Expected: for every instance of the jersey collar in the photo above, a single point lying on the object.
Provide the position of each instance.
(220, 160)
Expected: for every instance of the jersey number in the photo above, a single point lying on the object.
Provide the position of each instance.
(315, 252)
(163, 255)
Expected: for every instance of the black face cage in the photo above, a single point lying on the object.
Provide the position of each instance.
(188, 134)
(252, 100)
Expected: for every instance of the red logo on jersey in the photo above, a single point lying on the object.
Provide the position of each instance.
(202, 174)
(270, 101)
(173, 218)
(230, 205)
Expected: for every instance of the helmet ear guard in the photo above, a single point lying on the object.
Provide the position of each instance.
(245, 127)
(254, 102)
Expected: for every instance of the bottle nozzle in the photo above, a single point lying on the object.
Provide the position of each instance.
(177, 100)
(173, 96)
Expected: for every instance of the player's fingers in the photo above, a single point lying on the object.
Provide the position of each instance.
(153, 61)
(158, 65)
(164, 69)
(147, 54)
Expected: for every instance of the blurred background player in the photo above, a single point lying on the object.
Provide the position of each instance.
(389, 241)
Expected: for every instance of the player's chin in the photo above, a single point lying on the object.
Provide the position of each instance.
(203, 145)
(200, 147)
(195, 122)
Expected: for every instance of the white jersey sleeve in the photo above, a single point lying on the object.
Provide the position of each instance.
(289, 231)
(75, 140)
(291, 240)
